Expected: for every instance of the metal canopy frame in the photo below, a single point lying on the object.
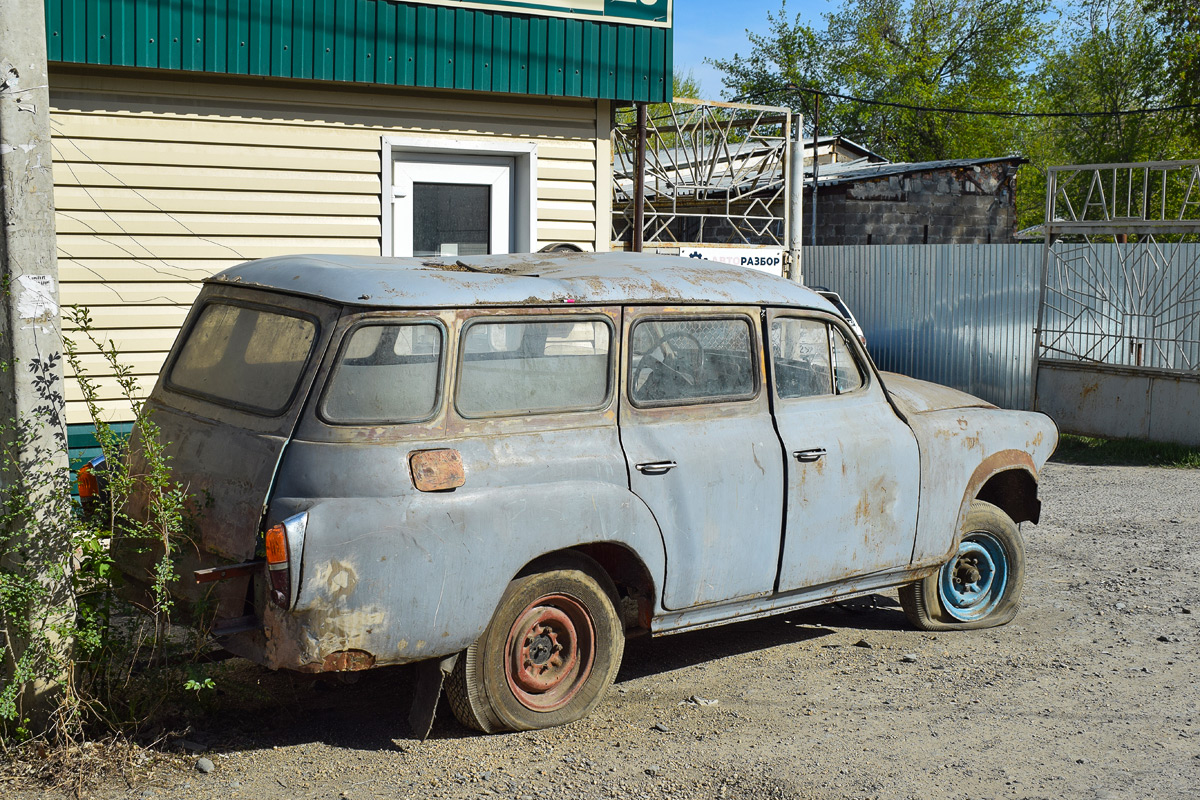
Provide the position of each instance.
(715, 174)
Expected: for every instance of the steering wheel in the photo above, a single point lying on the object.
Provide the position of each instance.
(692, 376)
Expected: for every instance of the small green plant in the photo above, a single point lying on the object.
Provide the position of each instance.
(193, 685)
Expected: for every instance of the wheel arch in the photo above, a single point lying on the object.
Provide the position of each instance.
(1008, 480)
(624, 567)
(1015, 492)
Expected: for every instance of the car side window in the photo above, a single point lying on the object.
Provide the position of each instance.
(801, 358)
(690, 360)
(811, 358)
(509, 367)
(847, 375)
(386, 374)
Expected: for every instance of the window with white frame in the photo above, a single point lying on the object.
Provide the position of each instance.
(452, 197)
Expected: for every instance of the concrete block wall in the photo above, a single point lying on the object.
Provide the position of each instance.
(959, 205)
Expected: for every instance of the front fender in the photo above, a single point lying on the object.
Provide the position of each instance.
(960, 450)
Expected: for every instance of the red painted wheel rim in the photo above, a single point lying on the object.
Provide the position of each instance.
(549, 652)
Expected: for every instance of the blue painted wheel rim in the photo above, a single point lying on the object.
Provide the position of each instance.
(972, 583)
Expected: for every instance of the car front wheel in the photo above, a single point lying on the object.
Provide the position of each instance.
(552, 648)
(980, 586)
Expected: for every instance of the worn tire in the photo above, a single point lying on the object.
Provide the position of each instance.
(549, 653)
(980, 587)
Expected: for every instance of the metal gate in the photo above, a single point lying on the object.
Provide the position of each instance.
(1118, 344)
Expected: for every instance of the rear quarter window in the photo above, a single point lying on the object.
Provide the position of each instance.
(386, 374)
(244, 357)
(530, 367)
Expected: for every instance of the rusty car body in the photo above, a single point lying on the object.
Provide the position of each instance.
(501, 466)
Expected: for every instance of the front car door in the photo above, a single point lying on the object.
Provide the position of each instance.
(701, 449)
(852, 464)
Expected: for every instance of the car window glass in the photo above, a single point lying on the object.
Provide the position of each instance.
(523, 367)
(847, 374)
(691, 360)
(800, 353)
(241, 356)
(386, 373)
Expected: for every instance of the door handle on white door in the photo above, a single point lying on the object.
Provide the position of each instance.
(656, 467)
(810, 455)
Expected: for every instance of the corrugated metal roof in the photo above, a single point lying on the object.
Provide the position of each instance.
(848, 171)
(519, 279)
(369, 41)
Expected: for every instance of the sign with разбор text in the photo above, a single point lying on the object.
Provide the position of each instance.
(655, 13)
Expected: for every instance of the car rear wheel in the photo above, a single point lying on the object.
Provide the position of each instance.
(552, 648)
(980, 587)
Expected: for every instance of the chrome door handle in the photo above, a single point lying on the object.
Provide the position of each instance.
(656, 467)
(808, 456)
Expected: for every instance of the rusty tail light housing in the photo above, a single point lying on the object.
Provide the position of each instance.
(285, 543)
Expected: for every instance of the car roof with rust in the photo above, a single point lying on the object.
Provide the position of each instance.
(518, 279)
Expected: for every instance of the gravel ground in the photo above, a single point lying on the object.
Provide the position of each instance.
(1090, 693)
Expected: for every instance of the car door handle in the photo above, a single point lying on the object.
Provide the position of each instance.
(808, 456)
(656, 467)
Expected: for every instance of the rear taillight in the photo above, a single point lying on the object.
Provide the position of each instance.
(91, 485)
(285, 542)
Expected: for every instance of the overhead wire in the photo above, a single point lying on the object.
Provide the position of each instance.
(994, 112)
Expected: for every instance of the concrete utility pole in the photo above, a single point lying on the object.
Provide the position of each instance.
(795, 199)
(31, 383)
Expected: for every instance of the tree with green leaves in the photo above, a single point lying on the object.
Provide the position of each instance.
(1112, 57)
(1180, 20)
(973, 54)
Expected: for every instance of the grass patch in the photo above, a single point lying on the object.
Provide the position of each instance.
(1125, 452)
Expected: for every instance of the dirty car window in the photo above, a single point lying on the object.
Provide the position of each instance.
(521, 367)
(800, 353)
(847, 374)
(242, 356)
(386, 373)
(691, 361)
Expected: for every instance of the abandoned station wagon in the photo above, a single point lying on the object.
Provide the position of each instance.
(502, 466)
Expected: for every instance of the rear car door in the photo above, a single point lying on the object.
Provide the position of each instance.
(852, 465)
(701, 449)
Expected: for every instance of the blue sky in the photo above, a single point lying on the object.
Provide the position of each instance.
(717, 29)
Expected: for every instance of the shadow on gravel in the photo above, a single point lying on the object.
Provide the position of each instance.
(645, 657)
(256, 709)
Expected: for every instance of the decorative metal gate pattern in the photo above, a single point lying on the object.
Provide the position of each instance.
(714, 174)
(1122, 266)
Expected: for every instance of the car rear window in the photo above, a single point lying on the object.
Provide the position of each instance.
(244, 357)
(386, 373)
(529, 367)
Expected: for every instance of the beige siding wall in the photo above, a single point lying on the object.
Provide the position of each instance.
(160, 183)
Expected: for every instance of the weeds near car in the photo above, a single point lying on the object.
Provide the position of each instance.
(1125, 452)
(118, 666)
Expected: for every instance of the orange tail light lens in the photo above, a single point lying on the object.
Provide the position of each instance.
(277, 554)
(89, 486)
(283, 541)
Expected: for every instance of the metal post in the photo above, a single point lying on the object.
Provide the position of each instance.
(1047, 245)
(795, 187)
(639, 181)
(812, 239)
(33, 441)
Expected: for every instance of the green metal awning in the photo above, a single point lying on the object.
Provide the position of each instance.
(371, 41)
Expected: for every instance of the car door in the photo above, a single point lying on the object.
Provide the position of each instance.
(852, 465)
(701, 449)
